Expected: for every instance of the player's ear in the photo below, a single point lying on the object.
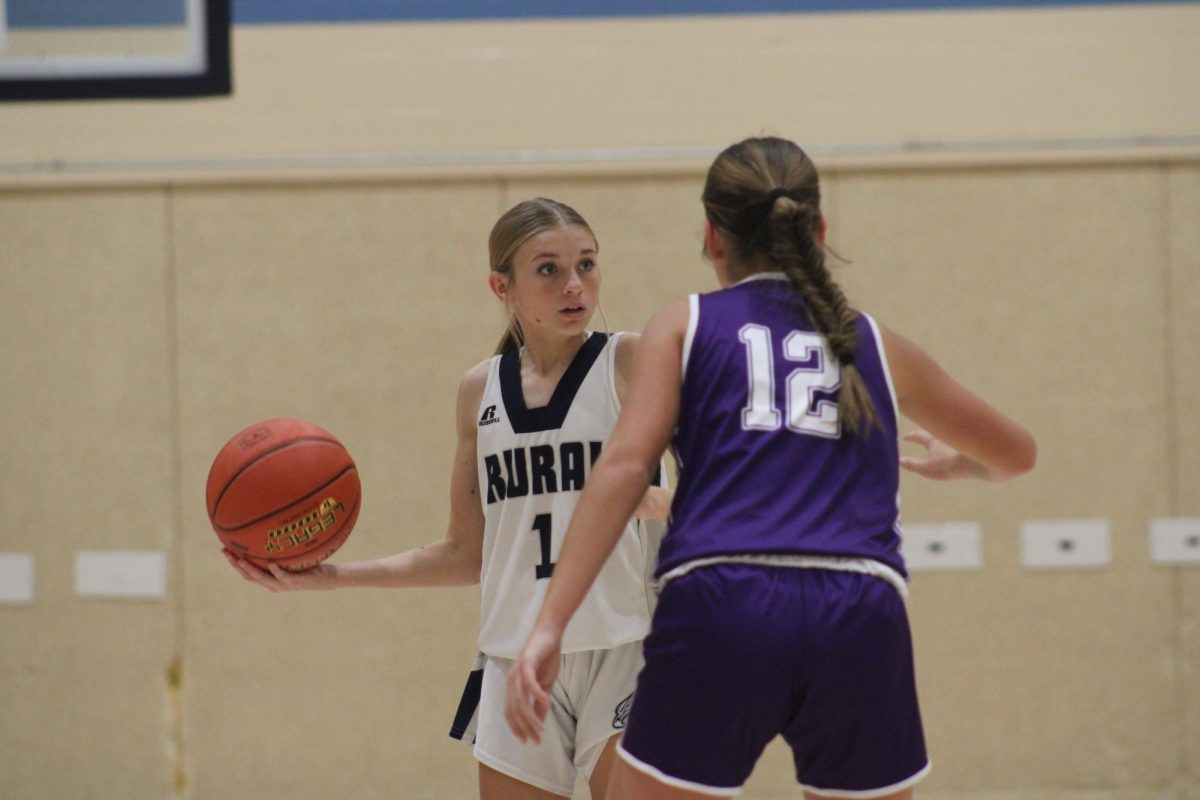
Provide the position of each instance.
(499, 285)
(713, 246)
(821, 229)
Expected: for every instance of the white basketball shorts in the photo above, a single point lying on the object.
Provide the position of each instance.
(590, 704)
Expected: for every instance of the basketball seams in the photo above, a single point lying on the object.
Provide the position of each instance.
(297, 501)
(212, 513)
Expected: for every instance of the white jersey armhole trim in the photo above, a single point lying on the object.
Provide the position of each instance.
(613, 343)
(887, 370)
(693, 321)
(678, 783)
(493, 372)
(865, 566)
(887, 375)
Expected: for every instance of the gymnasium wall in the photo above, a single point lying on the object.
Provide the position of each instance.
(1017, 190)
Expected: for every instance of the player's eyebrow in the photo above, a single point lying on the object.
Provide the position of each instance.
(587, 251)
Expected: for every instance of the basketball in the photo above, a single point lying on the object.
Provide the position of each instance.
(283, 491)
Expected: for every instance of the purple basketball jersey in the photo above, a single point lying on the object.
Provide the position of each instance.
(765, 466)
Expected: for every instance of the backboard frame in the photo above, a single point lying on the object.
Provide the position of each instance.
(205, 71)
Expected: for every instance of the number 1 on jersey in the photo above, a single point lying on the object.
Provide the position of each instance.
(541, 524)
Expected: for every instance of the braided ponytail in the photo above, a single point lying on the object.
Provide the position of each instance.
(765, 193)
(836, 319)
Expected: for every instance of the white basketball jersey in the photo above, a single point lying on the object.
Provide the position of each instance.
(532, 466)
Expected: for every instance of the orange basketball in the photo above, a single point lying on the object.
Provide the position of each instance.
(283, 491)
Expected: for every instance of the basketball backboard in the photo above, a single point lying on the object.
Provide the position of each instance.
(66, 49)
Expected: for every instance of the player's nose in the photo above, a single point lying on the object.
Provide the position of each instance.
(574, 284)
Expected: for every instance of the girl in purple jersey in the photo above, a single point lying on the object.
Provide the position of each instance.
(783, 606)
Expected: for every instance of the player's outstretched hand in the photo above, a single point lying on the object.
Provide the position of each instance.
(277, 579)
(529, 683)
(942, 462)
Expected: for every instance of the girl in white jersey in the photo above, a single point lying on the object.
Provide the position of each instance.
(531, 421)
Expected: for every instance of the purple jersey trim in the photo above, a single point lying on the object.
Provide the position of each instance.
(870, 793)
(678, 783)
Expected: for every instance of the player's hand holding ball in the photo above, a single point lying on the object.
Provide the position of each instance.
(282, 496)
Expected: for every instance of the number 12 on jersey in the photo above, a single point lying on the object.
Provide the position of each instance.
(811, 386)
(541, 524)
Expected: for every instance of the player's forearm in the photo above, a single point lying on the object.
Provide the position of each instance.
(1019, 454)
(442, 563)
(612, 493)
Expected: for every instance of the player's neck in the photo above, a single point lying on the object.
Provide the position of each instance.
(731, 273)
(550, 356)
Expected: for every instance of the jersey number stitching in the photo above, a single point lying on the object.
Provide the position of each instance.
(811, 400)
(541, 524)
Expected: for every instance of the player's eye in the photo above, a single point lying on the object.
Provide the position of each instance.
(587, 265)
(549, 268)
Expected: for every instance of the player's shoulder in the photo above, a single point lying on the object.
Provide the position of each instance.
(626, 350)
(473, 383)
(671, 320)
(676, 310)
(626, 343)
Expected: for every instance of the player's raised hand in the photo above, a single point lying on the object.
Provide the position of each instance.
(277, 579)
(942, 462)
(528, 697)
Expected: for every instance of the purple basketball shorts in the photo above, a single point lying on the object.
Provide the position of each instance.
(741, 653)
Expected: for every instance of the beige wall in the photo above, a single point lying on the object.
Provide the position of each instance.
(397, 96)
(148, 325)
(149, 313)
(1183, 252)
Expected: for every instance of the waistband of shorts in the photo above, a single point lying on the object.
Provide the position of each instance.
(864, 566)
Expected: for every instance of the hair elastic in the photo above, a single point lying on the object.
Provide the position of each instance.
(775, 194)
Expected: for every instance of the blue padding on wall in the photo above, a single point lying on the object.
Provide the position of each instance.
(287, 11)
(153, 13)
(95, 13)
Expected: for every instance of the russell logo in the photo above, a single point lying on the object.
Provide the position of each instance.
(621, 717)
(489, 417)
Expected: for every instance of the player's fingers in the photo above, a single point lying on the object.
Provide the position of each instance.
(539, 695)
(926, 469)
(247, 570)
(510, 716)
(513, 725)
(541, 706)
(282, 577)
(519, 720)
(234, 562)
(518, 709)
(514, 696)
(534, 701)
(923, 438)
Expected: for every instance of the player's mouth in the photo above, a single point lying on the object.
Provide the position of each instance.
(573, 311)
